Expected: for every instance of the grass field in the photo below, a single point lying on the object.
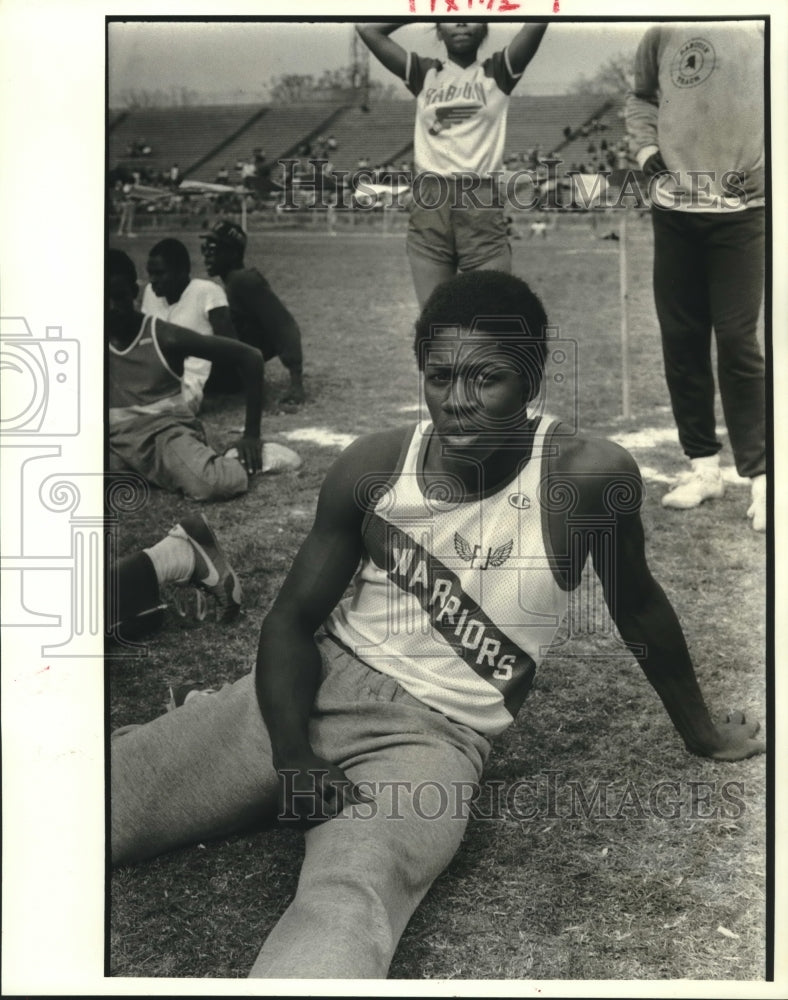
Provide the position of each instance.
(647, 888)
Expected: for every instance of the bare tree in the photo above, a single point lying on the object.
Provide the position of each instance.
(331, 85)
(175, 97)
(615, 77)
(292, 87)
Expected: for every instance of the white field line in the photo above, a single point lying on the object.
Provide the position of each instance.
(322, 436)
(635, 441)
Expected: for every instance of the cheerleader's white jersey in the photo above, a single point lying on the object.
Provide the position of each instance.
(458, 601)
(460, 114)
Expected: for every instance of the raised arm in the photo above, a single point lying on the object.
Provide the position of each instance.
(646, 620)
(178, 342)
(523, 47)
(376, 37)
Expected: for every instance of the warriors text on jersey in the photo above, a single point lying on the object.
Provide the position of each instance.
(460, 114)
(458, 601)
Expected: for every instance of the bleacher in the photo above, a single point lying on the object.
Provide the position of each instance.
(540, 121)
(383, 134)
(175, 135)
(279, 134)
(204, 139)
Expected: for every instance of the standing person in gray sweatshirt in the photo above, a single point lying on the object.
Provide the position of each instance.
(696, 120)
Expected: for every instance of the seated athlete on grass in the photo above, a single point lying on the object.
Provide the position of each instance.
(259, 316)
(151, 428)
(196, 303)
(403, 684)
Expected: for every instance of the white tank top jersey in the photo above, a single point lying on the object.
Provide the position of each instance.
(141, 381)
(460, 114)
(458, 601)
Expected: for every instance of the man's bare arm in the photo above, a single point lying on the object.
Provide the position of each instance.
(178, 342)
(647, 621)
(288, 661)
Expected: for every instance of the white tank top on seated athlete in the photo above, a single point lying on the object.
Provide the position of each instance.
(458, 601)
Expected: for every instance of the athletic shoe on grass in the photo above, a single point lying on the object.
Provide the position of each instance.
(212, 570)
(276, 457)
(757, 510)
(703, 482)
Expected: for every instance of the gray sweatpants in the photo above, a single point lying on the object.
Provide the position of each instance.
(205, 770)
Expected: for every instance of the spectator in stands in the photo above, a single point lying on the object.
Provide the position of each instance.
(151, 430)
(248, 172)
(223, 176)
(332, 143)
(195, 303)
(259, 316)
(175, 175)
(567, 132)
(454, 137)
(622, 155)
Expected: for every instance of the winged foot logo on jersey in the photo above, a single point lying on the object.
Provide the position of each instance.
(471, 553)
(452, 612)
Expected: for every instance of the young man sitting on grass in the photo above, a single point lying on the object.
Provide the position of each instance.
(151, 428)
(258, 314)
(369, 717)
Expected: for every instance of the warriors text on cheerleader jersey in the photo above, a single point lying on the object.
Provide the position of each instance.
(458, 601)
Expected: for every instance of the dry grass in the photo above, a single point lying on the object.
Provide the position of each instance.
(556, 896)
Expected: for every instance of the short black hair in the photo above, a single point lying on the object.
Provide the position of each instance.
(490, 302)
(119, 263)
(173, 253)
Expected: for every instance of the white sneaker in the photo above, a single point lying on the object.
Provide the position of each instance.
(757, 509)
(703, 482)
